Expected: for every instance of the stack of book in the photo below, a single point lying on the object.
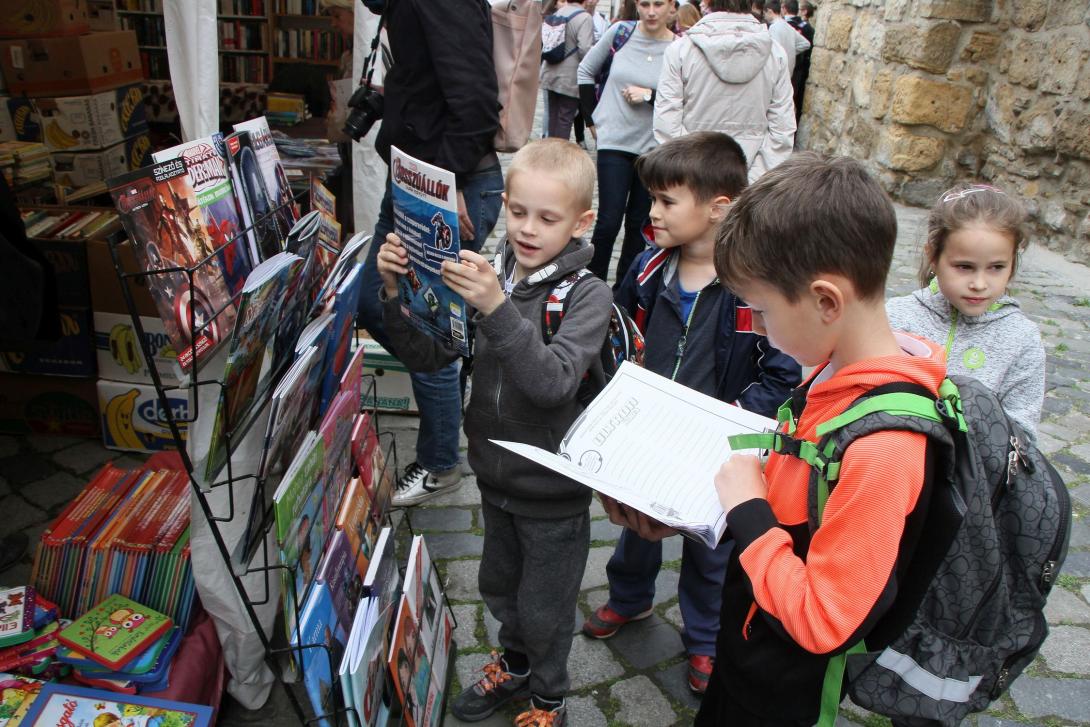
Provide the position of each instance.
(28, 636)
(285, 109)
(120, 645)
(68, 224)
(127, 532)
(25, 163)
(63, 705)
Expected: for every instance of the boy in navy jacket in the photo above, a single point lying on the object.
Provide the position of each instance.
(699, 334)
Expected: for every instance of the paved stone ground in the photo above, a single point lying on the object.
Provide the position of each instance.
(638, 677)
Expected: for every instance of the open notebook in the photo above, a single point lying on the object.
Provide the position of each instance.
(654, 445)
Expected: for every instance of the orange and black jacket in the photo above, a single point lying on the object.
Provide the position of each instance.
(792, 599)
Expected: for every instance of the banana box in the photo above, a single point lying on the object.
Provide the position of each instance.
(121, 357)
(48, 405)
(393, 389)
(133, 418)
(80, 168)
(73, 354)
(81, 123)
(24, 18)
(70, 65)
(25, 123)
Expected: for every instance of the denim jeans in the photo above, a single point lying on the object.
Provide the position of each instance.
(632, 571)
(437, 393)
(621, 195)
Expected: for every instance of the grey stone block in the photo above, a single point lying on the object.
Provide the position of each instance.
(673, 615)
(595, 573)
(25, 468)
(642, 703)
(453, 545)
(1063, 606)
(461, 580)
(1080, 533)
(591, 662)
(18, 515)
(675, 682)
(84, 457)
(986, 720)
(1067, 650)
(1081, 495)
(1038, 697)
(672, 548)
(466, 633)
(1077, 564)
(583, 712)
(60, 487)
(646, 643)
(441, 519)
(596, 509)
(604, 530)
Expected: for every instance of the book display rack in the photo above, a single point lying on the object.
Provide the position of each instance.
(294, 545)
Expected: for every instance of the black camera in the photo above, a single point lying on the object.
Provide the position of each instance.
(366, 107)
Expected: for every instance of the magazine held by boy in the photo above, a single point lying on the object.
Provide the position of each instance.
(426, 219)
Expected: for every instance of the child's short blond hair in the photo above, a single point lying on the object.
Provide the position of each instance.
(560, 157)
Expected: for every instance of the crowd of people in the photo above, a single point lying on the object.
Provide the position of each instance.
(749, 263)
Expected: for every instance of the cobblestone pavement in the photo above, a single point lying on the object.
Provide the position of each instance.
(638, 677)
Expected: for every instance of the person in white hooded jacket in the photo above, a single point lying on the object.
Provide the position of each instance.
(726, 74)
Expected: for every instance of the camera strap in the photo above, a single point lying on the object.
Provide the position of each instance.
(369, 63)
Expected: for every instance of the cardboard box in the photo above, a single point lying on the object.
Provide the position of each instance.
(106, 295)
(393, 385)
(70, 66)
(24, 118)
(72, 355)
(69, 260)
(26, 18)
(101, 15)
(96, 121)
(48, 405)
(121, 358)
(7, 125)
(80, 168)
(133, 419)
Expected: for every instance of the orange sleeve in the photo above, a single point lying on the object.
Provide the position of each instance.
(823, 600)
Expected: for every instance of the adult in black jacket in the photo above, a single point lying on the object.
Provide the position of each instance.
(802, 61)
(441, 106)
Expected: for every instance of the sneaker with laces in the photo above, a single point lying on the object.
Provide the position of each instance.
(418, 484)
(496, 688)
(550, 715)
(605, 622)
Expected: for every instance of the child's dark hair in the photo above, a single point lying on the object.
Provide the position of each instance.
(969, 204)
(709, 163)
(808, 216)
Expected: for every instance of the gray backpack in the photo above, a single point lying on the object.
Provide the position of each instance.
(968, 615)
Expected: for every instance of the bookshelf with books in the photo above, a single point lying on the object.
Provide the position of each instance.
(301, 35)
(291, 477)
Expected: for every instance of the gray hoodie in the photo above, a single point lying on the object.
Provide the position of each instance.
(523, 390)
(726, 74)
(1001, 347)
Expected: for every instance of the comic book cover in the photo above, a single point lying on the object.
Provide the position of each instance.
(426, 219)
(319, 625)
(339, 353)
(276, 181)
(338, 572)
(256, 207)
(206, 165)
(160, 213)
(63, 705)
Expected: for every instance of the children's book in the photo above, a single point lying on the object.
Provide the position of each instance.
(382, 477)
(16, 615)
(346, 260)
(672, 482)
(336, 433)
(322, 200)
(17, 695)
(63, 705)
(301, 241)
(426, 219)
(354, 521)
(256, 208)
(147, 667)
(338, 572)
(364, 442)
(206, 165)
(402, 661)
(345, 306)
(115, 631)
(383, 580)
(160, 212)
(276, 182)
(424, 595)
(249, 368)
(318, 626)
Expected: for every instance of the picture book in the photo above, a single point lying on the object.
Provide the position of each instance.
(423, 592)
(355, 522)
(206, 165)
(318, 625)
(383, 581)
(336, 432)
(345, 307)
(426, 219)
(256, 207)
(301, 241)
(17, 695)
(382, 477)
(149, 666)
(297, 505)
(16, 615)
(249, 369)
(276, 182)
(34, 655)
(63, 705)
(346, 260)
(115, 631)
(363, 669)
(352, 378)
(364, 442)
(606, 449)
(323, 201)
(402, 661)
(338, 572)
(161, 215)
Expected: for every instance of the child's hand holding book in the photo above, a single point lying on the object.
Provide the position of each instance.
(738, 480)
(644, 526)
(392, 261)
(474, 279)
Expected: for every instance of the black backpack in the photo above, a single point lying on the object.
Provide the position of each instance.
(968, 617)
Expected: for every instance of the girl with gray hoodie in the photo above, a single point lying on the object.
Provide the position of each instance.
(974, 238)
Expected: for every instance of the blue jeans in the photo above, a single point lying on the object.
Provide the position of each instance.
(437, 393)
(632, 571)
(621, 195)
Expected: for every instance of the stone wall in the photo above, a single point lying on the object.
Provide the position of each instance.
(930, 92)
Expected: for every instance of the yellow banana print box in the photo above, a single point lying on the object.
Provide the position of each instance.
(83, 123)
(133, 418)
(122, 358)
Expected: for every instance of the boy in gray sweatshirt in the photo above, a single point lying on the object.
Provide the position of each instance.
(536, 523)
